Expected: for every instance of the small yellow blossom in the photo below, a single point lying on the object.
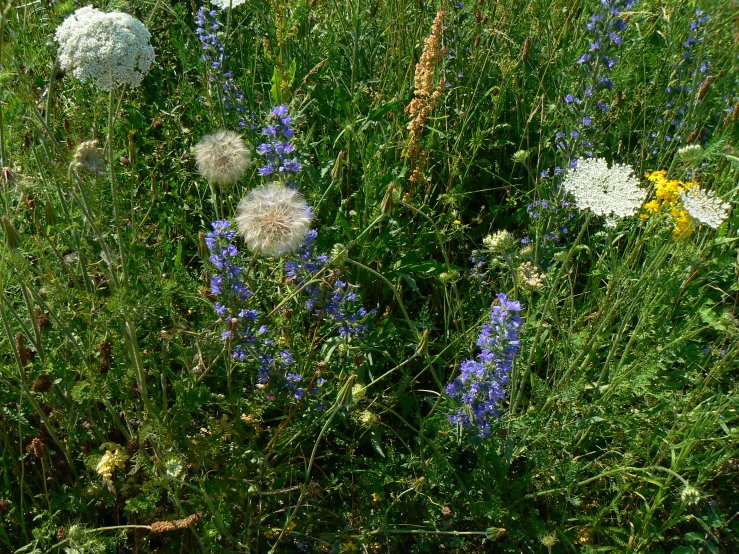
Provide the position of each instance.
(375, 497)
(457, 222)
(667, 192)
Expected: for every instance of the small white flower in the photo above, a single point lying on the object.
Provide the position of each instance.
(604, 191)
(500, 241)
(273, 219)
(705, 206)
(108, 48)
(222, 157)
(224, 4)
(529, 276)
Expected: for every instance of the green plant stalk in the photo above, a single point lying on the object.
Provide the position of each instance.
(518, 385)
(135, 354)
(114, 187)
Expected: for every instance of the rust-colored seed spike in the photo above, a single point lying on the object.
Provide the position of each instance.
(478, 15)
(736, 113)
(477, 41)
(704, 88)
(164, 526)
(619, 97)
(20, 346)
(691, 137)
(526, 48)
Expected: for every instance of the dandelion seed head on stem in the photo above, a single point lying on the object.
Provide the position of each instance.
(222, 157)
(273, 219)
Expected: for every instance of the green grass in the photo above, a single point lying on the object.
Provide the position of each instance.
(619, 428)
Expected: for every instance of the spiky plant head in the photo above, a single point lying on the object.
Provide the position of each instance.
(222, 157)
(273, 219)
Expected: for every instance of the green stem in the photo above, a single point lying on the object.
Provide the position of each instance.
(114, 187)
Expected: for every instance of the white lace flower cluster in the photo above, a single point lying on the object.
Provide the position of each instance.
(108, 48)
(224, 4)
(705, 206)
(613, 192)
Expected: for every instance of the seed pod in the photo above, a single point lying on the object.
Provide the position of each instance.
(43, 321)
(526, 49)
(478, 15)
(386, 207)
(477, 41)
(12, 238)
(704, 88)
(691, 137)
(735, 115)
(619, 97)
(41, 384)
(177, 524)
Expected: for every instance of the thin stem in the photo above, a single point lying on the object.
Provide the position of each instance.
(114, 188)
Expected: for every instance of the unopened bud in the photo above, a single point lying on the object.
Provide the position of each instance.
(423, 346)
(50, 215)
(12, 238)
(338, 166)
(387, 202)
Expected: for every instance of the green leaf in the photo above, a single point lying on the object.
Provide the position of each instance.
(376, 441)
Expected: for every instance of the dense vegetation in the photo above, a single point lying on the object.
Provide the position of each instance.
(466, 353)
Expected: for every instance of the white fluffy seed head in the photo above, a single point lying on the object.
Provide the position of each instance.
(108, 48)
(273, 219)
(222, 157)
(609, 192)
(89, 157)
(705, 206)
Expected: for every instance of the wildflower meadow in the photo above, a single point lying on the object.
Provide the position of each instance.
(369, 276)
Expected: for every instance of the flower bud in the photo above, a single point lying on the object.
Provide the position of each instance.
(387, 202)
(12, 238)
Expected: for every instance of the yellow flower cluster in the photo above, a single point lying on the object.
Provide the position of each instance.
(667, 192)
(109, 462)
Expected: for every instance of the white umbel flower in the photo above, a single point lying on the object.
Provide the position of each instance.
(604, 191)
(691, 154)
(705, 206)
(224, 4)
(273, 219)
(222, 157)
(500, 241)
(108, 48)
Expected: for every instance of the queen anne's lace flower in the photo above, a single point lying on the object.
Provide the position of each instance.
(224, 4)
(108, 48)
(273, 219)
(705, 206)
(607, 192)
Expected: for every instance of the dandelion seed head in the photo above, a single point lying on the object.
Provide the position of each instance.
(273, 219)
(222, 157)
(109, 48)
(605, 191)
(705, 206)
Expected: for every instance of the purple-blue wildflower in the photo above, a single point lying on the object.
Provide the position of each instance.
(480, 385)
